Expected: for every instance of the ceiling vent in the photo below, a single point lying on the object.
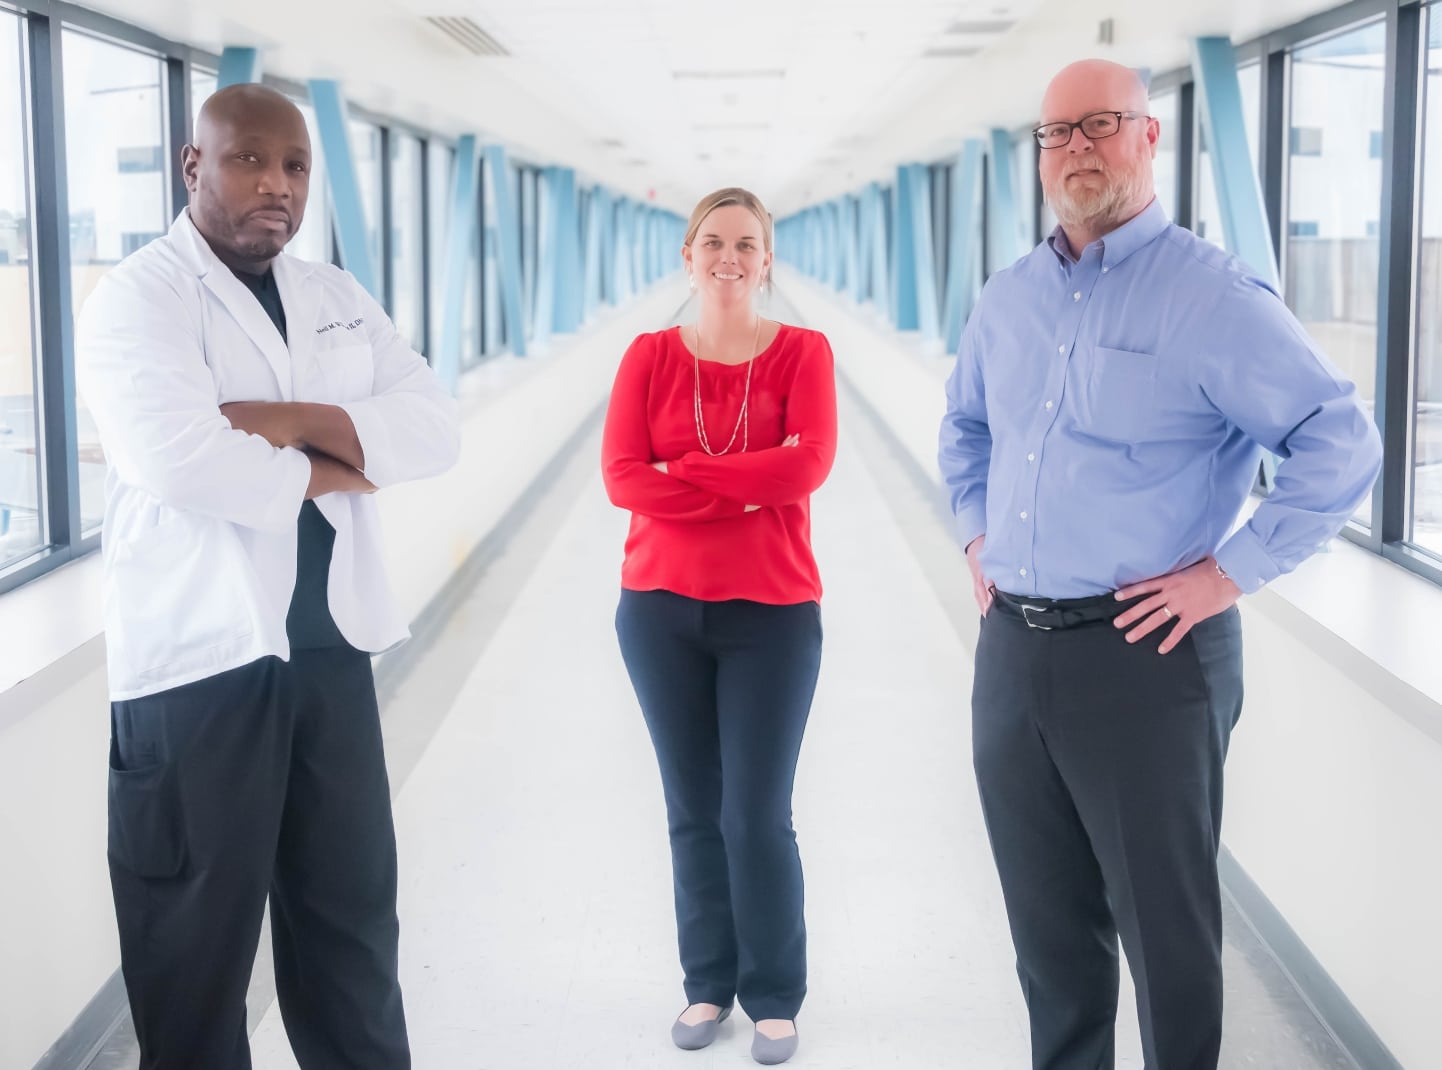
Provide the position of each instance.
(736, 75)
(993, 26)
(468, 35)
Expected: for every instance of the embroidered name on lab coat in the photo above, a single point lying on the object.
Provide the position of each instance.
(334, 324)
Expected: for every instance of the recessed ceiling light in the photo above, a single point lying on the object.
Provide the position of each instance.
(950, 52)
(970, 26)
(776, 72)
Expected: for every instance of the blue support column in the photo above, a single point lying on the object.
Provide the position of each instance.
(238, 66)
(549, 256)
(621, 251)
(835, 239)
(460, 239)
(569, 269)
(851, 239)
(1239, 194)
(598, 205)
(880, 250)
(1007, 233)
(961, 275)
(925, 250)
(503, 196)
(352, 234)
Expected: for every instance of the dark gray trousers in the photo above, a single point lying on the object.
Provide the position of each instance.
(726, 689)
(266, 780)
(1100, 769)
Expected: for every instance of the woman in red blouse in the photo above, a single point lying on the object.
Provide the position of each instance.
(716, 435)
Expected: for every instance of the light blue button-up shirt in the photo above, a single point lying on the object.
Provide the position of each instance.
(1106, 418)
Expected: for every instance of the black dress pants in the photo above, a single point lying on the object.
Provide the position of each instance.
(266, 780)
(1100, 769)
(726, 689)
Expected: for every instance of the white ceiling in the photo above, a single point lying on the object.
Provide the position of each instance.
(799, 100)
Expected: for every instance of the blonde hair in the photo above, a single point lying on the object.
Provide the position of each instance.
(721, 199)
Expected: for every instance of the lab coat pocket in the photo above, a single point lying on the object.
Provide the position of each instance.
(348, 372)
(146, 835)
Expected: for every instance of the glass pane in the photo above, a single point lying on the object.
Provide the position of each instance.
(438, 180)
(202, 85)
(491, 319)
(117, 178)
(1334, 200)
(312, 240)
(20, 512)
(1426, 518)
(407, 238)
(1164, 167)
(1026, 164)
(1207, 215)
(365, 143)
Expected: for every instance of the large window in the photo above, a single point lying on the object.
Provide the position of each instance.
(20, 513)
(407, 244)
(365, 144)
(1335, 186)
(439, 181)
(1207, 216)
(313, 240)
(202, 85)
(114, 116)
(1425, 520)
(1166, 110)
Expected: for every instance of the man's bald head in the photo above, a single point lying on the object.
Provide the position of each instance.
(248, 173)
(244, 106)
(1092, 85)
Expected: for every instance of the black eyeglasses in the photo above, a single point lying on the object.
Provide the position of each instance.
(1094, 127)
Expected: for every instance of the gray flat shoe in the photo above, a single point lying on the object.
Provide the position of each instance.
(770, 1052)
(696, 1037)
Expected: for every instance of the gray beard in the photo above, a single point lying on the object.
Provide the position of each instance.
(1110, 205)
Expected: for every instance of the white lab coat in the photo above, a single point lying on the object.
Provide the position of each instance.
(199, 544)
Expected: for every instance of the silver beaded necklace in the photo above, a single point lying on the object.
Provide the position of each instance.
(743, 419)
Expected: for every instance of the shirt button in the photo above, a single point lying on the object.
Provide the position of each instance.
(1031, 456)
(1048, 404)
(1076, 296)
(1022, 571)
(1023, 516)
(1105, 270)
(1061, 349)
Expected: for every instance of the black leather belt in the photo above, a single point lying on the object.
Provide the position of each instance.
(1055, 614)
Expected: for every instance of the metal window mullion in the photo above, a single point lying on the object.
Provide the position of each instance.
(425, 296)
(1395, 262)
(60, 461)
(1186, 155)
(177, 104)
(1273, 141)
(386, 221)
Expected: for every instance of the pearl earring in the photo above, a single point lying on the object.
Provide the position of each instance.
(691, 279)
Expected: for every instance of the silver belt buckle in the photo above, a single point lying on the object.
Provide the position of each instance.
(1027, 611)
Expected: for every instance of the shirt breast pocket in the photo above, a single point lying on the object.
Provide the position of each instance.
(347, 373)
(1119, 396)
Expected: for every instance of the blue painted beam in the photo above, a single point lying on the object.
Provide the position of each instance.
(549, 252)
(1239, 193)
(503, 196)
(352, 234)
(880, 250)
(965, 231)
(460, 239)
(1008, 225)
(850, 224)
(238, 66)
(924, 250)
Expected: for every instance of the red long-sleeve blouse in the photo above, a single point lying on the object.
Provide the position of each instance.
(690, 531)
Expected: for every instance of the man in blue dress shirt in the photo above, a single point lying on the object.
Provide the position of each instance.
(1112, 395)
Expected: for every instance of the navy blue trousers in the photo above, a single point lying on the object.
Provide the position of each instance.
(266, 780)
(1100, 768)
(726, 689)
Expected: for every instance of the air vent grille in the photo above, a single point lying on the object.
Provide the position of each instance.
(468, 35)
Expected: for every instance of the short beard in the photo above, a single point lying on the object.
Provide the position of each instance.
(1107, 207)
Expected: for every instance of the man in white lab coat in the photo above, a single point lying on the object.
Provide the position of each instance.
(249, 404)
